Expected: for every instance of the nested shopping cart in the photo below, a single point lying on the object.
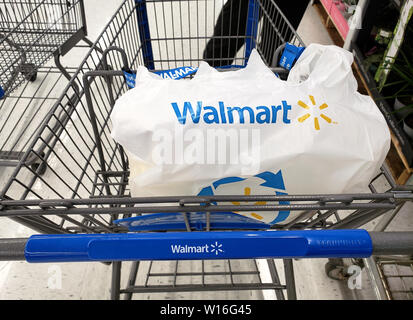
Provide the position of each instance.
(81, 206)
(34, 36)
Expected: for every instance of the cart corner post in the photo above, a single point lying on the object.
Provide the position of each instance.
(252, 26)
(144, 33)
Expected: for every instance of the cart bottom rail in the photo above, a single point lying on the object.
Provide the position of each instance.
(206, 245)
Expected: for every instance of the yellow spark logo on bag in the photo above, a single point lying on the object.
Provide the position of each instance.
(308, 115)
(247, 192)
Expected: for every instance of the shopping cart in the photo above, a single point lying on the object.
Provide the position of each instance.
(31, 33)
(82, 201)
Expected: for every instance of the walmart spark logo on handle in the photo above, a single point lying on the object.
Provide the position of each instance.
(216, 248)
(213, 248)
(308, 115)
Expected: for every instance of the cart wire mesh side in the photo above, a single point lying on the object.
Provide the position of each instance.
(31, 33)
(85, 187)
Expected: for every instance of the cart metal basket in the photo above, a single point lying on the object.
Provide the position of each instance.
(31, 33)
(83, 190)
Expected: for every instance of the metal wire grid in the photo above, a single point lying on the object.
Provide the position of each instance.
(31, 32)
(35, 30)
(31, 15)
(181, 30)
(23, 111)
(149, 277)
(396, 274)
(66, 139)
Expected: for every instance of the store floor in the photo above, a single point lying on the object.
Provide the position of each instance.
(20, 280)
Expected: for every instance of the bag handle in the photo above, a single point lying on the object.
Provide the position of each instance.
(327, 66)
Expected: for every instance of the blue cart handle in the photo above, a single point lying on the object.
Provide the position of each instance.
(206, 245)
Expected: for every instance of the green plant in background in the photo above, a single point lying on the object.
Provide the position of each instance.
(400, 33)
(401, 90)
(402, 71)
(382, 33)
(372, 62)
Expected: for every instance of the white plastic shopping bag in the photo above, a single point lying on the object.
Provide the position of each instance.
(248, 132)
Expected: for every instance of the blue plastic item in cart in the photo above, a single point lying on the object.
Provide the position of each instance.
(177, 73)
(196, 220)
(1, 92)
(174, 74)
(290, 55)
(130, 78)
